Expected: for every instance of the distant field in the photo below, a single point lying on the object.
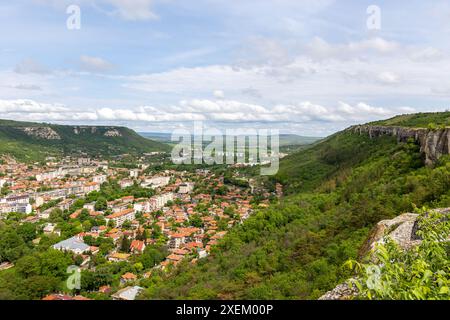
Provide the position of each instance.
(285, 139)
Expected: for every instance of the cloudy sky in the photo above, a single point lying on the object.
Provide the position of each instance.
(310, 67)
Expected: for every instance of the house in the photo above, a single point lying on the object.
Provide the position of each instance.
(127, 277)
(142, 206)
(202, 254)
(90, 187)
(186, 187)
(15, 207)
(134, 173)
(157, 202)
(89, 206)
(128, 293)
(127, 199)
(50, 228)
(104, 289)
(118, 257)
(137, 246)
(120, 217)
(174, 258)
(156, 182)
(100, 178)
(64, 297)
(176, 240)
(65, 204)
(126, 183)
(74, 244)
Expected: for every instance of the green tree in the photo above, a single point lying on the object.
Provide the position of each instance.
(101, 204)
(421, 272)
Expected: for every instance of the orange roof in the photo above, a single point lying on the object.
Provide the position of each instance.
(174, 257)
(178, 235)
(119, 214)
(137, 245)
(180, 252)
(129, 276)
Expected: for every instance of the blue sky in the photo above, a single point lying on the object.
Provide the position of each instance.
(306, 66)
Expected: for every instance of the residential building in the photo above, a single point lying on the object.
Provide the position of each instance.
(74, 244)
(120, 217)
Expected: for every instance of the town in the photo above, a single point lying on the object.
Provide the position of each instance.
(143, 221)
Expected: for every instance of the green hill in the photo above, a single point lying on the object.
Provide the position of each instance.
(417, 120)
(34, 141)
(295, 249)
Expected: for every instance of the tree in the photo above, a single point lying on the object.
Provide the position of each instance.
(55, 214)
(27, 231)
(87, 225)
(111, 224)
(12, 246)
(37, 287)
(125, 244)
(421, 272)
(28, 266)
(54, 263)
(101, 204)
(126, 225)
(196, 221)
(152, 255)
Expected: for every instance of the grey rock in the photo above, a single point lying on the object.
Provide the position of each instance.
(433, 143)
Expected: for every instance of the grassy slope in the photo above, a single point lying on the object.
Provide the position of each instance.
(13, 141)
(417, 120)
(295, 249)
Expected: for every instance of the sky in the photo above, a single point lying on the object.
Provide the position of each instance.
(310, 67)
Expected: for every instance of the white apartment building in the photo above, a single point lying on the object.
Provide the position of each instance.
(100, 178)
(15, 207)
(186, 187)
(143, 206)
(158, 202)
(120, 217)
(156, 182)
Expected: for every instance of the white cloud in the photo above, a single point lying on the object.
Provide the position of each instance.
(29, 65)
(26, 87)
(219, 94)
(94, 64)
(134, 10)
(201, 110)
(321, 49)
(388, 77)
(29, 106)
(126, 9)
(428, 54)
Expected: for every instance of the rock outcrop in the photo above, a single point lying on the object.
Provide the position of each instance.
(433, 143)
(112, 133)
(402, 229)
(340, 292)
(46, 133)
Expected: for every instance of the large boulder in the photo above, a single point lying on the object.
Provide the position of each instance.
(402, 229)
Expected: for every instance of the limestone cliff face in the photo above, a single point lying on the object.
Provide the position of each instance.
(41, 132)
(433, 143)
(402, 230)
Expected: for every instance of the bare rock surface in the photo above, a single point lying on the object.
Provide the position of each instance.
(46, 133)
(402, 229)
(433, 143)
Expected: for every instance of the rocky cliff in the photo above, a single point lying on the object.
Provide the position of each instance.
(433, 143)
(402, 230)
